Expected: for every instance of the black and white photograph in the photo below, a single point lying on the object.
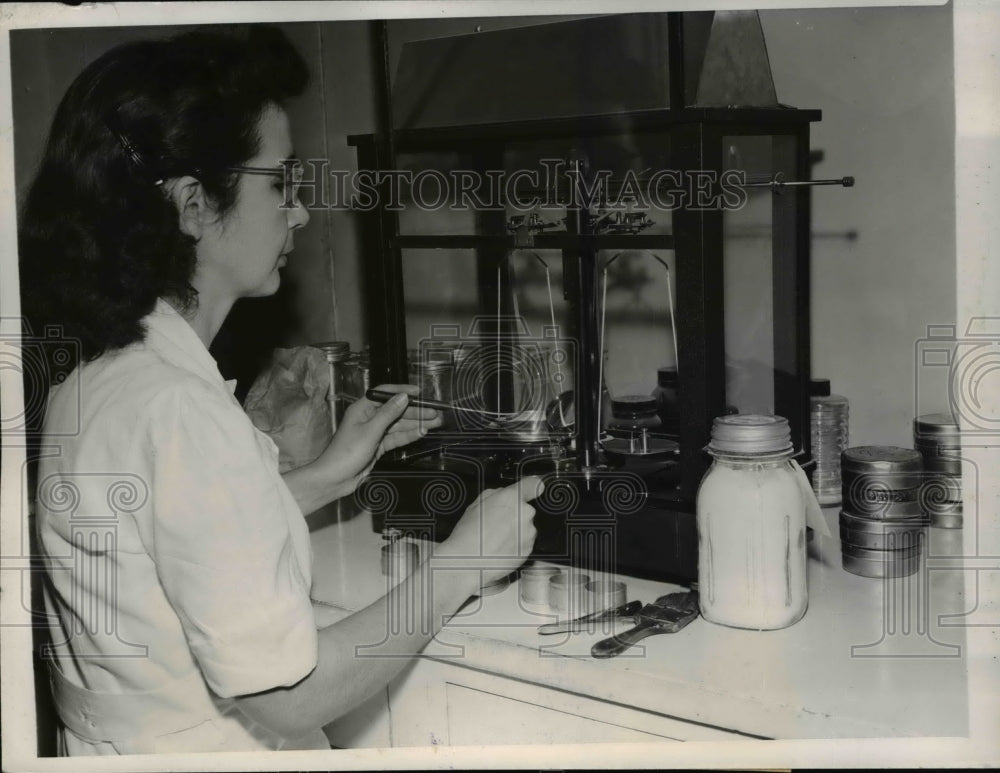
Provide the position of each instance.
(423, 385)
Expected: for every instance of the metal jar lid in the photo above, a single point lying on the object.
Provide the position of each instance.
(881, 459)
(750, 434)
(432, 366)
(935, 425)
(335, 351)
(819, 387)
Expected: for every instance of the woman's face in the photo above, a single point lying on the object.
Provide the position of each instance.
(240, 253)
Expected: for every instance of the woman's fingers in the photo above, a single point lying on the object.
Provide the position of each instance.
(390, 412)
(420, 426)
(397, 438)
(429, 416)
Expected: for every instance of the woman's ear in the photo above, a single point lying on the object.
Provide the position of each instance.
(193, 209)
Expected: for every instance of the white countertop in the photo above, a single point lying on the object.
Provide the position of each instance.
(869, 659)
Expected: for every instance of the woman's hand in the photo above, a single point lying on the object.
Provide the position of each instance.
(411, 426)
(369, 429)
(496, 534)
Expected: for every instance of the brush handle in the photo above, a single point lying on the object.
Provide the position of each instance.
(616, 645)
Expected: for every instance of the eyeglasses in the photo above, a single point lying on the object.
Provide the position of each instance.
(290, 173)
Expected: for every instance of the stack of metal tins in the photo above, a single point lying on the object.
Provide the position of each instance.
(936, 437)
(882, 523)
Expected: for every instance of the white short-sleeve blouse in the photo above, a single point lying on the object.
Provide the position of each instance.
(175, 551)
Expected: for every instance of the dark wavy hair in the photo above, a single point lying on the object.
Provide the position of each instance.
(99, 241)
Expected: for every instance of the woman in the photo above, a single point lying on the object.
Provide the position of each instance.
(184, 623)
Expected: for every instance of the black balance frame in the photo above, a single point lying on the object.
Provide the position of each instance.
(650, 531)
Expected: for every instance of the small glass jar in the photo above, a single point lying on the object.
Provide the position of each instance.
(337, 354)
(751, 516)
(359, 375)
(434, 377)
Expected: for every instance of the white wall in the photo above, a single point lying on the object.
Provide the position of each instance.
(883, 78)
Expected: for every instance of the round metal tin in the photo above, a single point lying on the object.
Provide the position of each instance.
(943, 508)
(567, 593)
(534, 584)
(863, 523)
(881, 535)
(880, 567)
(947, 520)
(605, 594)
(399, 558)
(869, 562)
(941, 494)
(880, 489)
(940, 458)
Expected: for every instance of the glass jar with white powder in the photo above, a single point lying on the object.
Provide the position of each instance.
(751, 515)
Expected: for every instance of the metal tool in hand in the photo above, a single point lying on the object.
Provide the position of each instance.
(381, 396)
(587, 622)
(668, 614)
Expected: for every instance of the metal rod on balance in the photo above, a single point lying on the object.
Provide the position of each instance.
(778, 183)
(588, 377)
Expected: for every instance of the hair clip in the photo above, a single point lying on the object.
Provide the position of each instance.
(133, 153)
(130, 149)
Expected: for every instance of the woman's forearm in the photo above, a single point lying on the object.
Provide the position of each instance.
(362, 653)
(313, 486)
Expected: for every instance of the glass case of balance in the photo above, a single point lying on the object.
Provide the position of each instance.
(589, 287)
